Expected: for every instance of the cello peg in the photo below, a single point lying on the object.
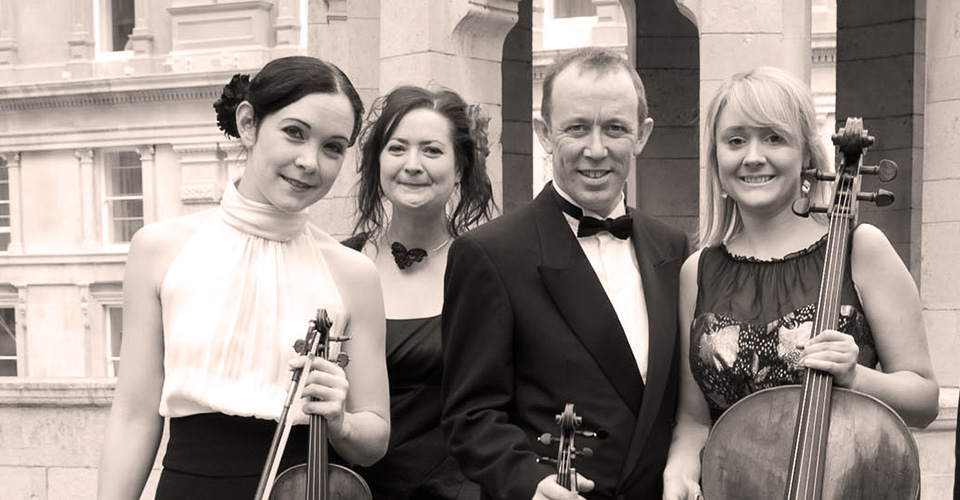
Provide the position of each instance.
(886, 170)
(881, 197)
(803, 207)
(818, 174)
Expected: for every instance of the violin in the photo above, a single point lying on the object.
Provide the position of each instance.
(815, 441)
(569, 423)
(317, 479)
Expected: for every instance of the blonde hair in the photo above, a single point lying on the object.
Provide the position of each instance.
(767, 97)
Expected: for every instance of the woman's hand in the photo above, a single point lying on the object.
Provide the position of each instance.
(835, 353)
(548, 489)
(678, 488)
(326, 382)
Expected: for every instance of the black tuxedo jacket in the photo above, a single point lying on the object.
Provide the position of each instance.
(527, 327)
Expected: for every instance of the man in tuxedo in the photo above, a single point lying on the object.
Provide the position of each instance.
(570, 299)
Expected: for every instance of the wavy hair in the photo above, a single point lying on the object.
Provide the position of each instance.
(468, 127)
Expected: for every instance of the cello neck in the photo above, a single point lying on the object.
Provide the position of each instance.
(807, 461)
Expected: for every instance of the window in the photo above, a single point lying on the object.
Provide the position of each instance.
(114, 330)
(4, 207)
(563, 9)
(122, 195)
(116, 24)
(8, 342)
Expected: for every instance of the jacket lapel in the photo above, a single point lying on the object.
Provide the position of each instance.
(581, 300)
(660, 292)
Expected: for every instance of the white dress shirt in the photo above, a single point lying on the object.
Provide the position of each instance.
(615, 263)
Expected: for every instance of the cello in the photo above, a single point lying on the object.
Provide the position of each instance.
(317, 479)
(815, 441)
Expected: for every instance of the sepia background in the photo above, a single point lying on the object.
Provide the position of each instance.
(106, 124)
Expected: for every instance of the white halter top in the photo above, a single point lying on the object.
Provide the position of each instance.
(235, 299)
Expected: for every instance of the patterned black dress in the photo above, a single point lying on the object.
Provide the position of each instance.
(751, 315)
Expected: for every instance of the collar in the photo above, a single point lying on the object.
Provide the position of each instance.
(260, 219)
(618, 210)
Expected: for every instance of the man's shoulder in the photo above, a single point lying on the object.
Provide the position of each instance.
(662, 232)
(518, 223)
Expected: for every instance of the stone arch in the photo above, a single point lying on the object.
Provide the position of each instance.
(667, 46)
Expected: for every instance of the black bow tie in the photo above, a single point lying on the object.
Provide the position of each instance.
(621, 227)
(406, 258)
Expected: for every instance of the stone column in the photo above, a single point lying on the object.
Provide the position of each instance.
(880, 79)
(668, 61)
(80, 41)
(287, 25)
(148, 176)
(610, 21)
(12, 162)
(346, 33)
(456, 44)
(88, 203)
(940, 231)
(142, 36)
(517, 138)
(8, 36)
(736, 36)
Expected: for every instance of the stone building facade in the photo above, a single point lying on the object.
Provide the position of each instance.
(106, 125)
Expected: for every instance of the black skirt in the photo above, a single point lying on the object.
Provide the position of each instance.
(214, 456)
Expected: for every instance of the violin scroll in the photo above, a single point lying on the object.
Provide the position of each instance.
(567, 451)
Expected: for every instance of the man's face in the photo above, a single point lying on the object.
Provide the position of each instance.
(593, 133)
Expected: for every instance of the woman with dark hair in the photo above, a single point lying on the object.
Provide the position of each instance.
(424, 153)
(214, 301)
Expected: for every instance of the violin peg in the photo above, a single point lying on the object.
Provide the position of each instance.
(299, 346)
(585, 452)
(546, 460)
(343, 360)
(546, 439)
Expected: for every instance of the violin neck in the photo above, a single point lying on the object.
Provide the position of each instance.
(566, 474)
(317, 460)
(805, 480)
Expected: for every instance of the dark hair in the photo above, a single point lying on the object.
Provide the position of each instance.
(468, 132)
(603, 61)
(282, 82)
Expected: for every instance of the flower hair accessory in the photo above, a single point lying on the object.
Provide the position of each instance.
(478, 129)
(233, 94)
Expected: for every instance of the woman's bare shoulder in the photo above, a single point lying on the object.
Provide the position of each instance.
(171, 232)
(154, 246)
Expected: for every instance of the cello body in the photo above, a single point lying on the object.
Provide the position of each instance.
(871, 453)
